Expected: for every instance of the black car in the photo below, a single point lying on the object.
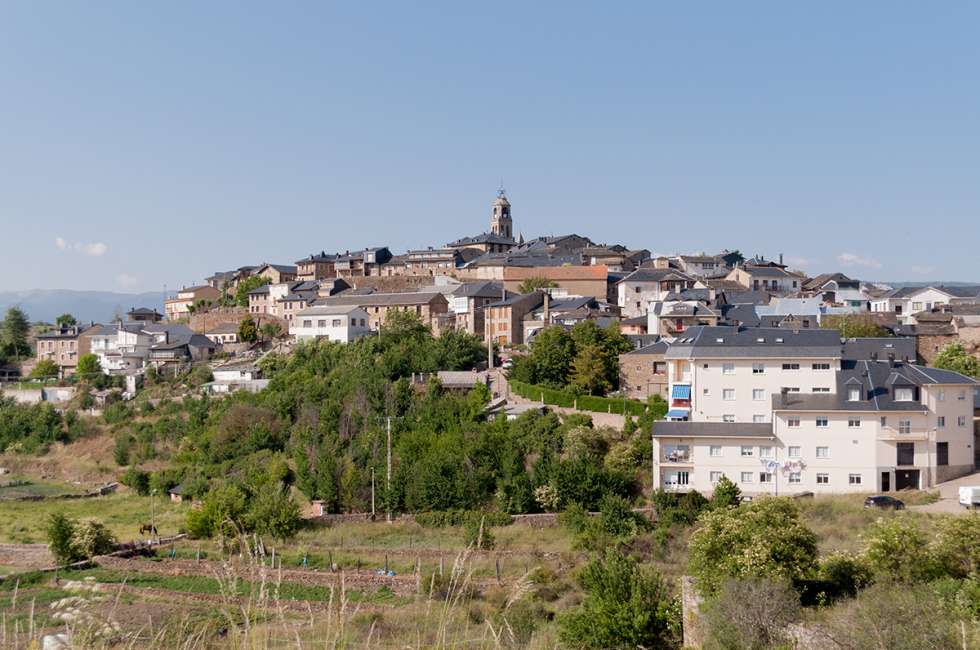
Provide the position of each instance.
(884, 502)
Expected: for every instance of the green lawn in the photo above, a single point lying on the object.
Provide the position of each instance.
(37, 488)
(23, 522)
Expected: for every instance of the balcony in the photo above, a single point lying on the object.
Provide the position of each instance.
(912, 434)
(677, 454)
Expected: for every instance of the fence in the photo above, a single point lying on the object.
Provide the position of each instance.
(563, 399)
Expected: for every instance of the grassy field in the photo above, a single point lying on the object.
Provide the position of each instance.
(23, 522)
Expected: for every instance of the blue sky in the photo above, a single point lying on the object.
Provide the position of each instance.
(144, 144)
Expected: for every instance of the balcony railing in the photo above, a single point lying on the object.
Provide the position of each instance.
(910, 434)
(676, 455)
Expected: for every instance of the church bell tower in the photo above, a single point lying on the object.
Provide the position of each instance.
(500, 220)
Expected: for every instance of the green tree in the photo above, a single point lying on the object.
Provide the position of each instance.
(246, 285)
(550, 359)
(45, 369)
(273, 513)
(66, 320)
(626, 606)
(954, 357)
(89, 367)
(854, 325)
(957, 545)
(762, 539)
(248, 332)
(726, 494)
(270, 331)
(532, 284)
(61, 539)
(92, 538)
(13, 333)
(590, 370)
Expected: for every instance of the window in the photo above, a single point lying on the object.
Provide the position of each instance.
(758, 368)
(884, 421)
(747, 450)
(942, 453)
(728, 394)
(822, 422)
(905, 426)
(728, 369)
(791, 366)
(758, 394)
(705, 392)
(823, 452)
(961, 421)
(793, 422)
(941, 421)
(728, 418)
(916, 306)
(336, 322)
(821, 366)
(854, 394)
(823, 479)
(765, 477)
(904, 394)
(794, 452)
(853, 423)
(716, 476)
(746, 477)
(962, 395)
(765, 452)
(715, 451)
(791, 389)
(854, 479)
(759, 419)
(821, 389)
(941, 396)
(794, 477)
(307, 323)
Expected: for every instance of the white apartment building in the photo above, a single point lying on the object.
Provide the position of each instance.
(639, 288)
(781, 411)
(907, 301)
(344, 323)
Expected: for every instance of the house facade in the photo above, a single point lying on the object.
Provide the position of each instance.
(343, 323)
(64, 346)
(782, 411)
(638, 289)
(178, 307)
(643, 372)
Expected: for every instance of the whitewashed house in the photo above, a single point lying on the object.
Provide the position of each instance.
(344, 323)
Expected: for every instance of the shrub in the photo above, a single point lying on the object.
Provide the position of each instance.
(61, 539)
(762, 539)
(726, 494)
(92, 538)
(750, 614)
(117, 413)
(136, 480)
(626, 606)
(897, 549)
(477, 534)
(123, 447)
(444, 518)
(45, 369)
(957, 545)
(274, 513)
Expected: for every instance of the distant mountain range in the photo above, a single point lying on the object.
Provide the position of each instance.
(97, 306)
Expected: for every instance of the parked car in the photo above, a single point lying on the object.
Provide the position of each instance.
(970, 496)
(884, 502)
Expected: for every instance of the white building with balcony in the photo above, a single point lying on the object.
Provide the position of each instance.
(344, 323)
(781, 412)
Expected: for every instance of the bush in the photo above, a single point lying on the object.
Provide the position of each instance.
(45, 369)
(445, 518)
(61, 539)
(726, 494)
(762, 539)
(477, 534)
(897, 549)
(566, 399)
(117, 413)
(956, 548)
(274, 513)
(750, 615)
(626, 606)
(122, 449)
(136, 480)
(92, 538)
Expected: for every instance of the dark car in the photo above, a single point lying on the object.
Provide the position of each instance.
(884, 502)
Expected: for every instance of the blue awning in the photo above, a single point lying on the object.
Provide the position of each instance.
(678, 413)
(681, 392)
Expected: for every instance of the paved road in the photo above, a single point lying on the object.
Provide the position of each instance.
(949, 496)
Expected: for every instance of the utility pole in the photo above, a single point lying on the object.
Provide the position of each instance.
(388, 485)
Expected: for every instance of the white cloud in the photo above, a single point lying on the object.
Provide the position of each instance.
(127, 281)
(93, 249)
(798, 261)
(922, 270)
(850, 259)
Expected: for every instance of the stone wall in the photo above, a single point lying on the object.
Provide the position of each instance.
(207, 322)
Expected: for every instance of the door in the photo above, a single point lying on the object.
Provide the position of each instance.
(886, 481)
(906, 479)
(905, 453)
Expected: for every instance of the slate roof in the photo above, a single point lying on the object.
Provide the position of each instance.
(479, 290)
(842, 281)
(381, 299)
(877, 380)
(646, 274)
(712, 430)
(320, 257)
(659, 347)
(484, 238)
(866, 348)
(755, 342)
(327, 310)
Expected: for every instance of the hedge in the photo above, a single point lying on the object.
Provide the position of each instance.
(444, 518)
(581, 402)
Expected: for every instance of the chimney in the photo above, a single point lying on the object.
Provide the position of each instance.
(780, 258)
(547, 308)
